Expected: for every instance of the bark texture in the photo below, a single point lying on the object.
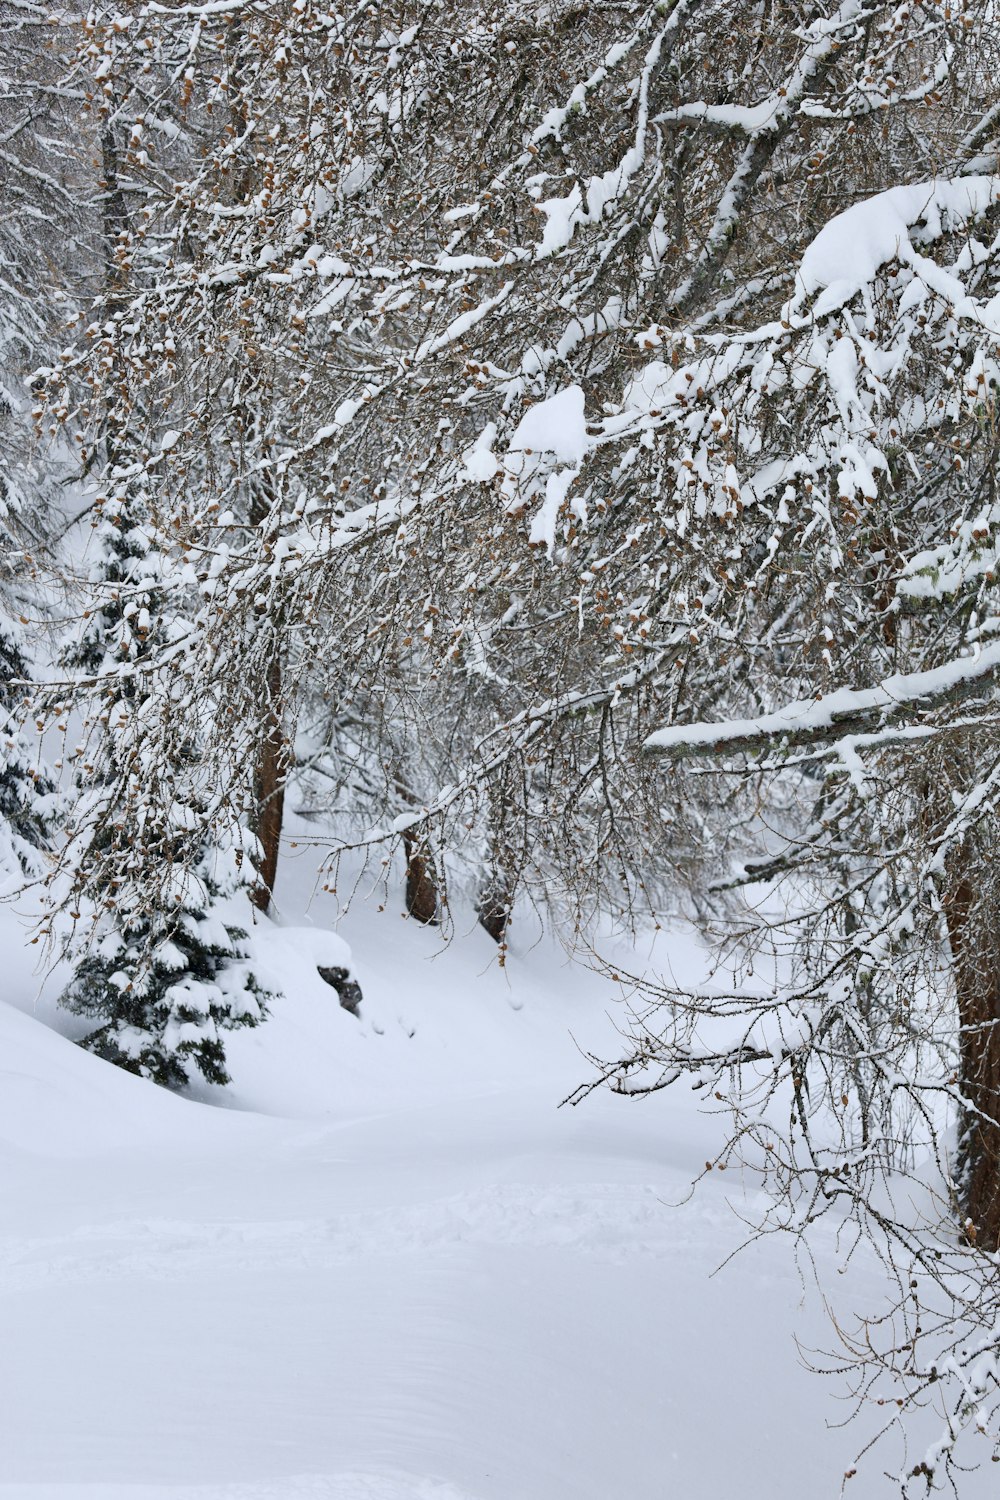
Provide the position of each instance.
(270, 774)
(975, 951)
(421, 886)
(493, 908)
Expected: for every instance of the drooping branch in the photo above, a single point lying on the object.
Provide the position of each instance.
(766, 127)
(837, 715)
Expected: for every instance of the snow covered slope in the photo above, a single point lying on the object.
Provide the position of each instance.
(391, 1269)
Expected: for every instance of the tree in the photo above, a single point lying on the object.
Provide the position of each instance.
(544, 576)
(164, 986)
(833, 481)
(29, 804)
(155, 860)
(41, 210)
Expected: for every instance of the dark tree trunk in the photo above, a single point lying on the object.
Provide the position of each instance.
(493, 908)
(270, 774)
(421, 886)
(273, 759)
(975, 952)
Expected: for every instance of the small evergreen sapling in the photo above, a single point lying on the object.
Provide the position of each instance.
(165, 985)
(164, 968)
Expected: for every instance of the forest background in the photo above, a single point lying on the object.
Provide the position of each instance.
(557, 445)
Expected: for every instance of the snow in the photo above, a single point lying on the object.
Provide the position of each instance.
(555, 425)
(848, 252)
(751, 119)
(481, 464)
(562, 215)
(383, 1265)
(462, 324)
(552, 430)
(346, 1486)
(542, 532)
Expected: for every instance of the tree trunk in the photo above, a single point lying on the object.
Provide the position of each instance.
(493, 907)
(270, 774)
(421, 887)
(975, 952)
(273, 760)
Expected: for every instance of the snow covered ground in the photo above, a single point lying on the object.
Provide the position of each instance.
(390, 1268)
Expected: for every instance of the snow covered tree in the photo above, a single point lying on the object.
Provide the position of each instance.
(156, 860)
(29, 804)
(153, 861)
(164, 986)
(41, 209)
(820, 471)
(359, 299)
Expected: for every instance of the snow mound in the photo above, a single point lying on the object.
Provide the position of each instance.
(58, 1101)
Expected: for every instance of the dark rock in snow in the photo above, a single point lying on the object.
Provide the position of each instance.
(347, 987)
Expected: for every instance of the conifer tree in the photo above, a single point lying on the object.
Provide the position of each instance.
(39, 207)
(29, 803)
(163, 986)
(163, 968)
(159, 874)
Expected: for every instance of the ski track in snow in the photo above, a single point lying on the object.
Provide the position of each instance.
(601, 1221)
